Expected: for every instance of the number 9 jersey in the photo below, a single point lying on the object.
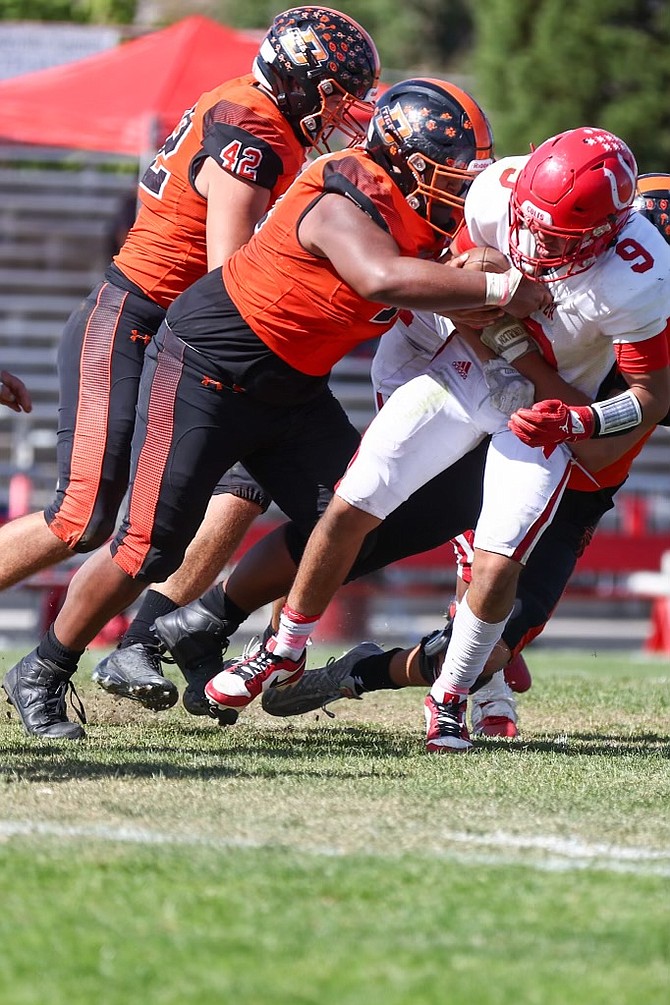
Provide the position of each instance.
(617, 309)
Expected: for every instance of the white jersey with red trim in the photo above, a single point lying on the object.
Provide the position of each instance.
(406, 350)
(428, 423)
(624, 297)
(433, 420)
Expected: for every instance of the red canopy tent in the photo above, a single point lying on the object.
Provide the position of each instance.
(125, 100)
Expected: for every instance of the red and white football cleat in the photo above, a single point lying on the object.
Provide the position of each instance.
(246, 678)
(446, 731)
(493, 709)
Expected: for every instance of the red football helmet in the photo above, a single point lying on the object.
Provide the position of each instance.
(432, 138)
(570, 202)
(323, 70)
(653, 201)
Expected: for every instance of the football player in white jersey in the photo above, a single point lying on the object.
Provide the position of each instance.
(563, 214)
(560, 221)
(404, 352)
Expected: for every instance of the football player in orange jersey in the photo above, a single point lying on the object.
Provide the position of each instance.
(224, 165)
(425, 105)
(239, 370)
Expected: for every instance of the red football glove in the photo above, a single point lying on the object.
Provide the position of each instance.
(550, 422)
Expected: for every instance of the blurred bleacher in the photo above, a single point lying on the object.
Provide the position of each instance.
(56, 211)
(53, 248)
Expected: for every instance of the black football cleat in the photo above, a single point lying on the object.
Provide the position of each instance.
(135, 673)
(196, 640)
(38, 690)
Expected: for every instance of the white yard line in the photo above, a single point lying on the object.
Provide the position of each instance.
(546, 853)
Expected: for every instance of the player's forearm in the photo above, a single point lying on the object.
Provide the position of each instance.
(596, 454)
(652, 391)
(548, 382)
(413, 283)
(636, 410)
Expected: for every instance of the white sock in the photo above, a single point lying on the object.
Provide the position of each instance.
(471, 644)
(494, 689)
(293, 633)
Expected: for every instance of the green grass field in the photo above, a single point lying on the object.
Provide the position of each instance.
(321, 861)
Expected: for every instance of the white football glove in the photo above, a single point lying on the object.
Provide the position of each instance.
(509, 339)
(508, 390)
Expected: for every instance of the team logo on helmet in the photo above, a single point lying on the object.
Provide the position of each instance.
(531, 212)
(611, 144)
(301, 43)
(392, 123)
(621, 199)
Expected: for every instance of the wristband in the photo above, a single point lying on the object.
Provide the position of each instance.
(501, 287)
(617, 415)
(509, 338)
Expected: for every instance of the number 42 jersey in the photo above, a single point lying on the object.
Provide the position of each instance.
(240, 127)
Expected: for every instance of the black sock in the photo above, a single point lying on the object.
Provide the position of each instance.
(372, 673)
(154, 605)
(222, 607)
(51, 649)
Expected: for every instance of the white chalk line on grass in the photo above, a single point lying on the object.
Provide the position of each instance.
(548, 853)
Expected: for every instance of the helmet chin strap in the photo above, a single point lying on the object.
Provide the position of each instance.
(263, 83)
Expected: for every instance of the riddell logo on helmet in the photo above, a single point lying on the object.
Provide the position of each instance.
(532, 212)
(477, 166)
